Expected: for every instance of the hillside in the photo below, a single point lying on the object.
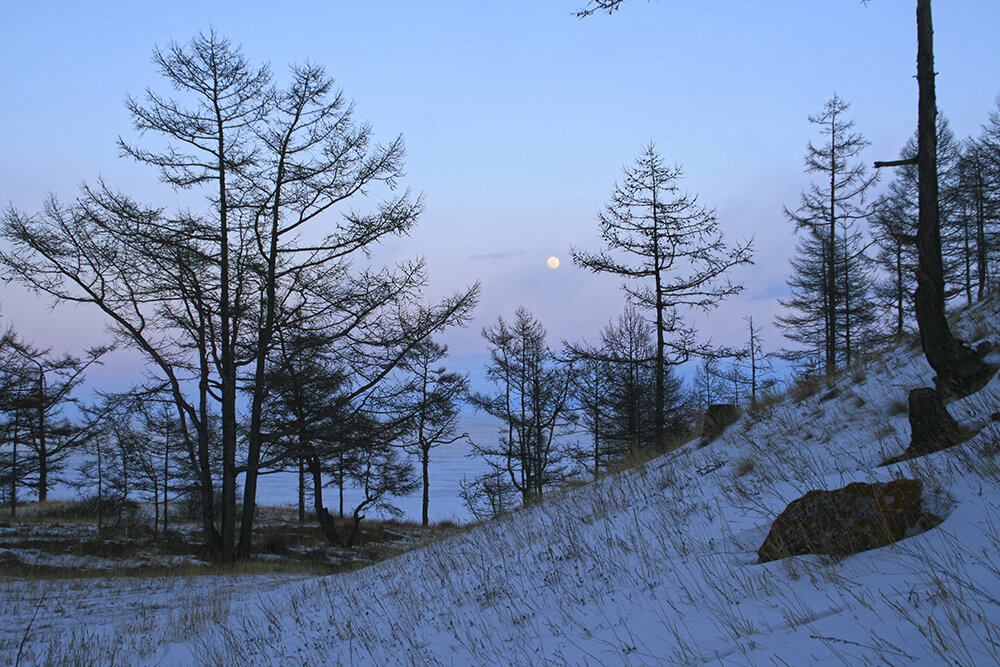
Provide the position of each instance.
(653, 565)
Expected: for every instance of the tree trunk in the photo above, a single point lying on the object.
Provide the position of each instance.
(425, 455)
(326, 523)
(981, 270)
(931, 427)
(959, 370)
(899, 290)
(43, 455)
(355, 527)
(13, 469)
(156, 508)
(264, 337)
(831, 278)
(213, 539)
(302, 491)
(166, 473)
(660, 404)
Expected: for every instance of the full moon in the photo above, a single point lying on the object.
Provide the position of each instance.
(553, 262)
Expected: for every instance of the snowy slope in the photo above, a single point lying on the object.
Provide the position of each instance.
(655, 565)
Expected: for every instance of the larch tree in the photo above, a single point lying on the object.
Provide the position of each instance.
(435, 394)
(988, 151)
(827, 212)
(672, 255)
(805, 320)
(628, 346)
(893, 222)
(294, 190)
(960, 370)
(309, 422)
(589, 390)
(44, 386)
(758, 366)
(16, 389)
(532, 402)
(614, 391)
(978, 215)
(896, 257)
(708, 382)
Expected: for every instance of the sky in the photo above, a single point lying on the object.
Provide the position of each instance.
(517, 117)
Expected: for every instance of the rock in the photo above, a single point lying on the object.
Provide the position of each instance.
(717, 418)
(858, 517)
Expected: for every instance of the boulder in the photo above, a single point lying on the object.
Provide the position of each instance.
(858, 517)
(717, 418)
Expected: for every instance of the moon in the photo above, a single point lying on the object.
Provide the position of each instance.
(553, 262)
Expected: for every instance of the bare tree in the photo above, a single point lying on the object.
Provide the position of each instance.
(46, 387)
(828, 211)
(532, 403)
(589, 389)
(979, 214)
(15, 402)
(759, 366)
(672, 255)
(435, 405)
(201, 295)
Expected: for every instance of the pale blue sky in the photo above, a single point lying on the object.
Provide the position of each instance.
(517, 118)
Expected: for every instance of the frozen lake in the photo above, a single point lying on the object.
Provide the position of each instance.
(448, 465)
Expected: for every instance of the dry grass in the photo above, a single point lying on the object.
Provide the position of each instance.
(898, 407)
(59, 539)
(744, 467)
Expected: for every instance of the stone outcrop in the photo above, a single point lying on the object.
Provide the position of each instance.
(858, 517)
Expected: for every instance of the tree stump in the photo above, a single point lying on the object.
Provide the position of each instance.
(931, 427)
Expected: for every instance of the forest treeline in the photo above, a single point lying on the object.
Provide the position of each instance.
(272, 342)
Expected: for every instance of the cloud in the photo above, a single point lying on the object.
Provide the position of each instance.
(497, 255)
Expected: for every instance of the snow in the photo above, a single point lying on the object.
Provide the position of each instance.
(653, 565)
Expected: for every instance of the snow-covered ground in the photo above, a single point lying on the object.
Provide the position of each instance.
(654, 565)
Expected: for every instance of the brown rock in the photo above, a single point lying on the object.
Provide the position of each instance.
(858, 517)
